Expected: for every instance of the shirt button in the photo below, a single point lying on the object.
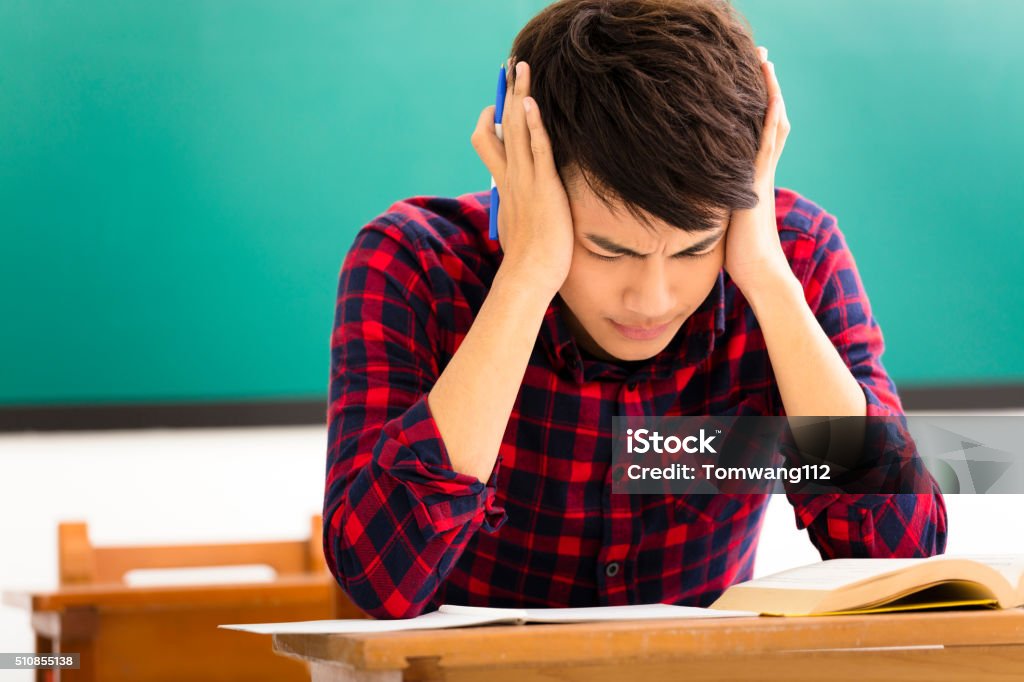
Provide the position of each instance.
(612, 569)
(573, 363)
(631, 386)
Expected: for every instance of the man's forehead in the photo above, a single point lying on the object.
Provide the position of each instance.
(614, 221)
(610, 213)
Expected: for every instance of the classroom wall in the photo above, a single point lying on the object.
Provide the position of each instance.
(179, 182)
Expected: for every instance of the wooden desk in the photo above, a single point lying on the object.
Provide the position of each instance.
(951, 645)
(140, 634)
(169, 633)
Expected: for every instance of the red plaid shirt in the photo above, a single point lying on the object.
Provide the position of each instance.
(404, 532)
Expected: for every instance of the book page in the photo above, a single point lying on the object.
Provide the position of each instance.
(831, 574)
(590, 614)
(427, 621)
(1010, 566)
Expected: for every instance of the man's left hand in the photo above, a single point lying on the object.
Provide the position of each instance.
(753, 253)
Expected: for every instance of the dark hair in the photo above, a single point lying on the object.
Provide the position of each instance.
(657, 104)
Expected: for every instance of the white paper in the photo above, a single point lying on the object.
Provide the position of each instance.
(427, 621)
(591, 614)
(453, 616)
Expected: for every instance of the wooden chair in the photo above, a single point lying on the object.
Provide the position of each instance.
(169, 632)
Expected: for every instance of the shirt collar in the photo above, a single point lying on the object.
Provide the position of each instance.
(691, 345)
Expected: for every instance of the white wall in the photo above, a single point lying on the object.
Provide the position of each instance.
(147, 487)
(222, 485)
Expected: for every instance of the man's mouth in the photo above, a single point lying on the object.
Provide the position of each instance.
(640, 333)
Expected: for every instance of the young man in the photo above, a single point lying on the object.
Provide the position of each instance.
(646, 266)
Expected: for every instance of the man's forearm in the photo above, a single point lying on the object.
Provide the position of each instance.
(473, 398)
(812, 377)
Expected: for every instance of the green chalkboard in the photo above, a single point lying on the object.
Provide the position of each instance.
(179, 182)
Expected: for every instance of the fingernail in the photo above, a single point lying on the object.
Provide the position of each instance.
(519, 68)
(528, 104)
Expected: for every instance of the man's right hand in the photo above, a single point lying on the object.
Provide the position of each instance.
(534, 220)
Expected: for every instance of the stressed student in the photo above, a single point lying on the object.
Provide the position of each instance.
(646, 265)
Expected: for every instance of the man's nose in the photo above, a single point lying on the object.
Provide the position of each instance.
(650, 295)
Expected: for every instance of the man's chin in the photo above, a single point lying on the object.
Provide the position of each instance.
(611, 346)
(634, 351)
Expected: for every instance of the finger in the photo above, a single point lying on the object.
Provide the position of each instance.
(487, 145)
(774, 92)
(509, 82)
(770, 81)
(782, 121)
(763, 52)
(540, 143)
(517, 135)
(766, 147)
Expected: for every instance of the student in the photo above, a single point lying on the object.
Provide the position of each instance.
(642, 269)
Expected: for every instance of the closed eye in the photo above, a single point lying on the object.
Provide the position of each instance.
(678, 256)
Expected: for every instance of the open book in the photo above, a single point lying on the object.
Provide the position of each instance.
(841, 586)
(451, 616)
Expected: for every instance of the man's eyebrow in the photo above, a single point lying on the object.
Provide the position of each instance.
(609, 245)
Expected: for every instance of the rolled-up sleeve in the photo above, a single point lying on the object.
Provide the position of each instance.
(886, 522)
(396, 514)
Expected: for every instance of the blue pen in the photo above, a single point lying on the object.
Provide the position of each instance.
(499, 106)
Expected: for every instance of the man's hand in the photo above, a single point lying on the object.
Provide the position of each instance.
(813, 378)
(753, 253)
(534, 220)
